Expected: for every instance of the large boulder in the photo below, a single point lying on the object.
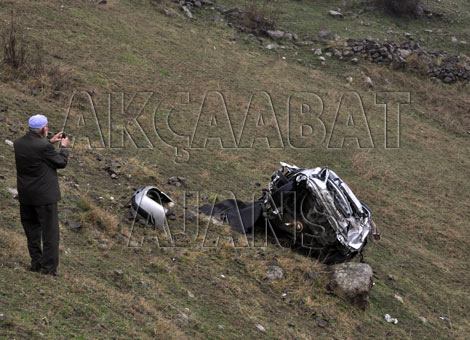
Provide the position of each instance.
(352, 281)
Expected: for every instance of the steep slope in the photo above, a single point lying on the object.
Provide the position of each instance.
(418, 190)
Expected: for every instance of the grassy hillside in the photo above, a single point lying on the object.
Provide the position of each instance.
(418, 191)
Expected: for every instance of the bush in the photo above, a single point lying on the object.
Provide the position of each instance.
(399, 7)
(259, 17)
(24, 61)
(13, 47)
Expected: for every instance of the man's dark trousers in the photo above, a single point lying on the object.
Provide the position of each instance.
(41, 222)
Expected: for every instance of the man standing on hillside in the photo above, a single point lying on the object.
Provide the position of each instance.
(37, 162)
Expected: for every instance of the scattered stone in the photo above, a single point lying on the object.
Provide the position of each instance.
(183, 317)
(318, 51)
(404, 53)
(368, 82)
(349, 79)
(118, 272)
(272, 46)
(329, 54)
(322, 59)
(454, 39)
(390, 277)
(13, 192)
(221, 327)
(191, 295)
(336, 37)
(260, 328)
(399, 298)
(276, 35)
(321, 323)
(324, 34)
(288, 36)
(8, 142)
(177, 181)
(187, 12)
(336, 14)
(352, 281)
(407, 35)
(389, 319)
(291, 324)
(273, 273)
(423, 319)
(355, 60)
(73, 224)
(111, 172)
(168, 12)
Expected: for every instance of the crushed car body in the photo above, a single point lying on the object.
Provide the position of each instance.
(319, 210)
(314, 207)
(151, 204)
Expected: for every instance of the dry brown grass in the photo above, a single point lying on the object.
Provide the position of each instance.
(95, 216)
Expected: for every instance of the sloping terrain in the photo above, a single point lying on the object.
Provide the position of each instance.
(418, 188)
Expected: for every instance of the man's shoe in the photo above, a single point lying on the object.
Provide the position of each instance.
(48, 272)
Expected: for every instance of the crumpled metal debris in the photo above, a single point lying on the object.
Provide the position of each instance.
(151, 204)
(389, 319)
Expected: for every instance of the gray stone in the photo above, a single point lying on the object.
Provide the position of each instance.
(352, 281)
(276, 35)
(187, 12)
(74, 224)
(324, 34)
(13, 192)
(272, 46)
(8, 142)
(273, 273)
(260, 328)
(404, 53)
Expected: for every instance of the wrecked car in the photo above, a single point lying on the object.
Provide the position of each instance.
(151, 204)
(315, 208)
(319, 212)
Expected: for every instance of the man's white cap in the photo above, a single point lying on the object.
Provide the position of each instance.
(37, 122)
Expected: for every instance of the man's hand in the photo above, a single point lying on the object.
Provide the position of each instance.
(64, 142)
(56, 138)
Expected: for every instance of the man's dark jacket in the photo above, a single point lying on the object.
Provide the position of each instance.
(37, 162)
